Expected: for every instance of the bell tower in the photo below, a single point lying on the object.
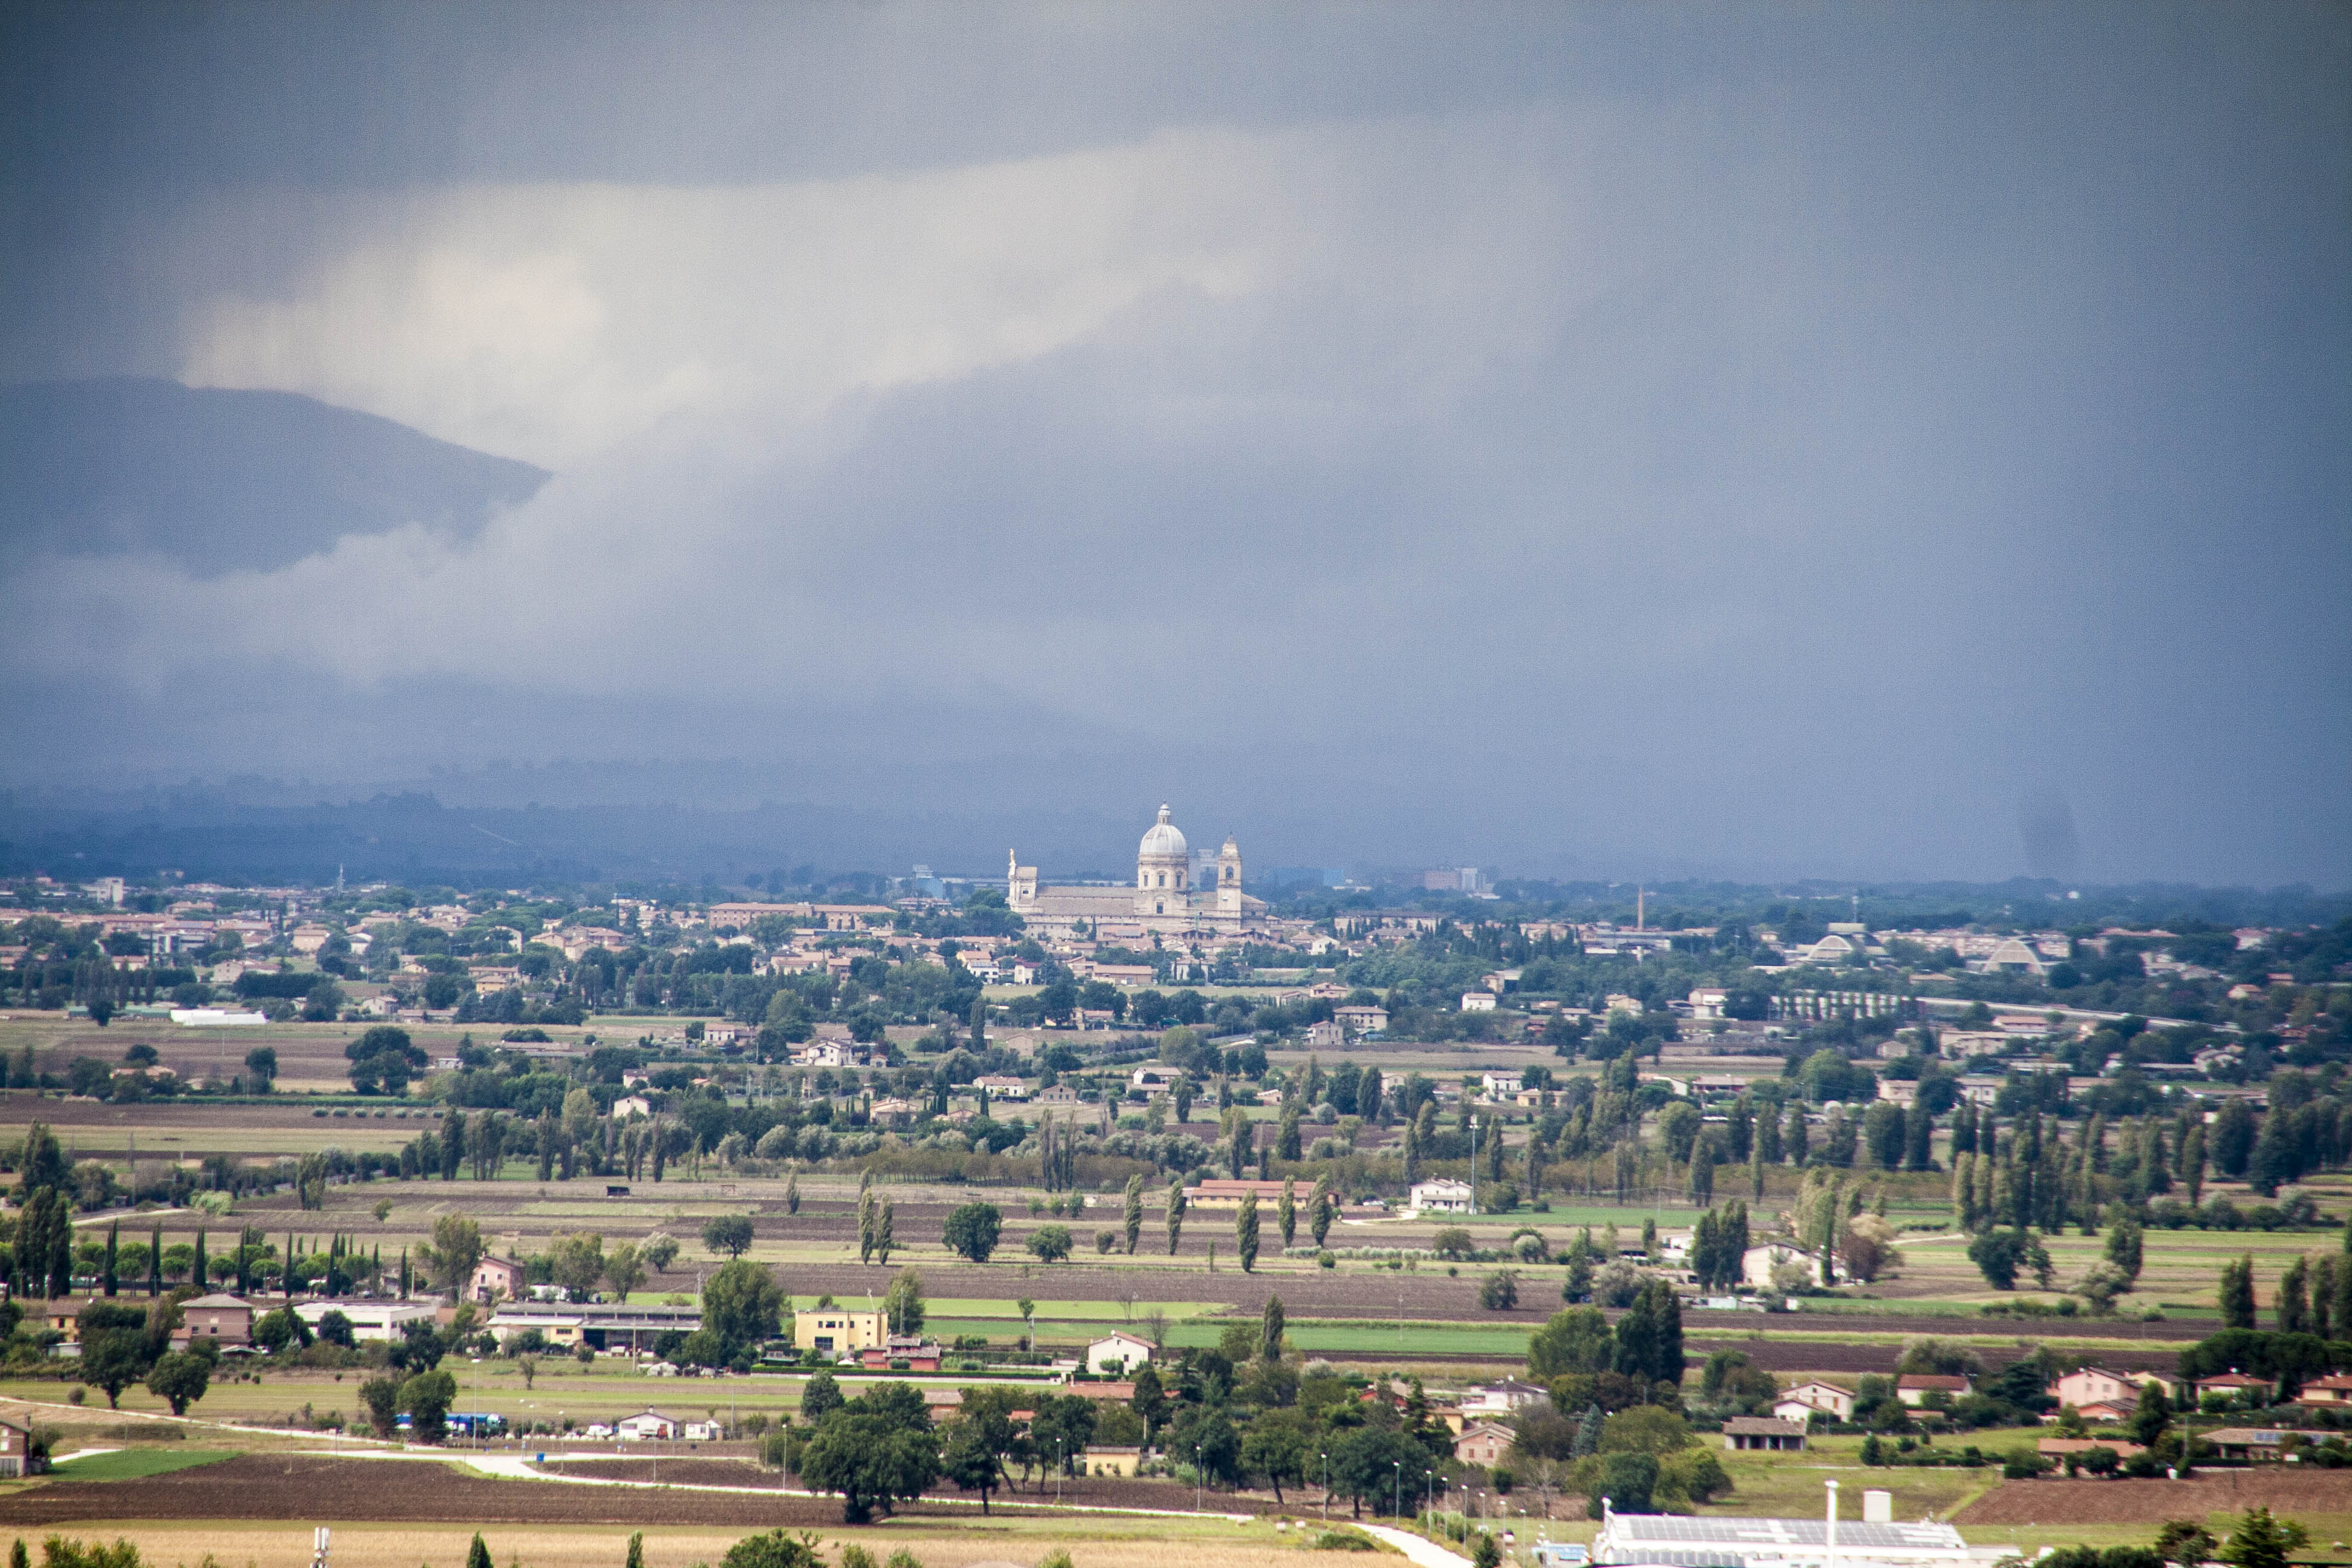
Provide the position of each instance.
(1229, 880)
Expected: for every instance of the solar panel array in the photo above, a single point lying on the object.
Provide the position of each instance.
(1673, 1531)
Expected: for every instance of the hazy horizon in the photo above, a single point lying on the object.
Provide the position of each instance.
(1762, 442)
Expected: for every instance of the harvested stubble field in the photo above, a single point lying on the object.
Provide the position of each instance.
(2294, 1491)
(397, 1546)
(322, 1491)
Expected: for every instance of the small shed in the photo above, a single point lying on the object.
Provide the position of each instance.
(1770, 1432)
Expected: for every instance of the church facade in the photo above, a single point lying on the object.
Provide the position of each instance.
(1175, 892)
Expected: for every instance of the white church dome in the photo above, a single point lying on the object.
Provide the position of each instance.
(1162, 838)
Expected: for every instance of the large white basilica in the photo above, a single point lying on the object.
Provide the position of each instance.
(1175, 891)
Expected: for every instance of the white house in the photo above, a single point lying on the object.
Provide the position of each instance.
(1002, 1086)
(1477, 1000)
(1501, 1085)
(1153, 1078)
(1757, 1264)
(1116, 1351)
(1806, 1398)
(1500, 1401)
(647, 1426)
(2097, 1385)
(630, 1105)
(1361, 1020)
(1441, 1194)
(703, 1431)
(371, 1319)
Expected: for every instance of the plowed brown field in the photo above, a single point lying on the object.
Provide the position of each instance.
(2277, 1487)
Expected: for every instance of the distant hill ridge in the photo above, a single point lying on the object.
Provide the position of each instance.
(219, 479)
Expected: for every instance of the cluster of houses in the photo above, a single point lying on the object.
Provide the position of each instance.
(2097, 1395)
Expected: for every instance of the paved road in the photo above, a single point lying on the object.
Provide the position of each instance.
(1420, 1551)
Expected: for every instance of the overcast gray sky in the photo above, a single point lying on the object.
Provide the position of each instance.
(1872, 441)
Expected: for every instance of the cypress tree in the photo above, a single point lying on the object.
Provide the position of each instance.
(1285, 1211)
(1318, 1209)
(113, 1247)
(203, 1265)
(1175, 1215)
(1919, 1131)
(2237, 1293)
(1131, 1218)
(1245, 1232)
(155, 1263)
(2292, 1309)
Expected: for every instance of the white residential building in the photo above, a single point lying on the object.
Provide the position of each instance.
(1116, 1351)
(1441, 1194)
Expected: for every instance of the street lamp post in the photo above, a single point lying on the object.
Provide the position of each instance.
(1196, 1477)
(1326, 1458)
(1396, 1489)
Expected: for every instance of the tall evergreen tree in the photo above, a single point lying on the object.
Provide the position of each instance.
(1285, 1211)
(2292, 1307)
(113, 1248)
(1918, 1136)
(1175, 1215)
(1131, 1218)
(1245, 1232)
(2237, 1293)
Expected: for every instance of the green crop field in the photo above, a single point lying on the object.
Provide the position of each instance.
(129, 1463)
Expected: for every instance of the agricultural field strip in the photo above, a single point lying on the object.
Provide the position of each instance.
(514, 1467)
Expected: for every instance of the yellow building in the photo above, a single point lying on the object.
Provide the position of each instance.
(834, 1331)
(1112, 1461)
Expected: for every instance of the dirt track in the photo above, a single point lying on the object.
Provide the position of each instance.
(2062, 1503)
(327, 1490)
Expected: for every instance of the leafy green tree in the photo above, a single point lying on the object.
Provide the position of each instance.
(1997, 1255)
(1061, 1430)
(742, 1305)
(2124, 1246)
(773, 1550)
(728, 1233)
(978, 1440)
(1050, 1243)
(114, 1347)
(1576, 1340)
(902, 1304)
(875, 1450)
(1275, 1452)
(820, 1397)
(179, 1379)
(1270, 1328)
(455, 1252)
(427, 1397)
(624, 1269)
(972, 1230)
(1625, 1482)
(1367, 1465)
(381, 1398)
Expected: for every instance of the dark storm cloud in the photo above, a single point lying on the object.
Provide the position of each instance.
(1772, 441)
